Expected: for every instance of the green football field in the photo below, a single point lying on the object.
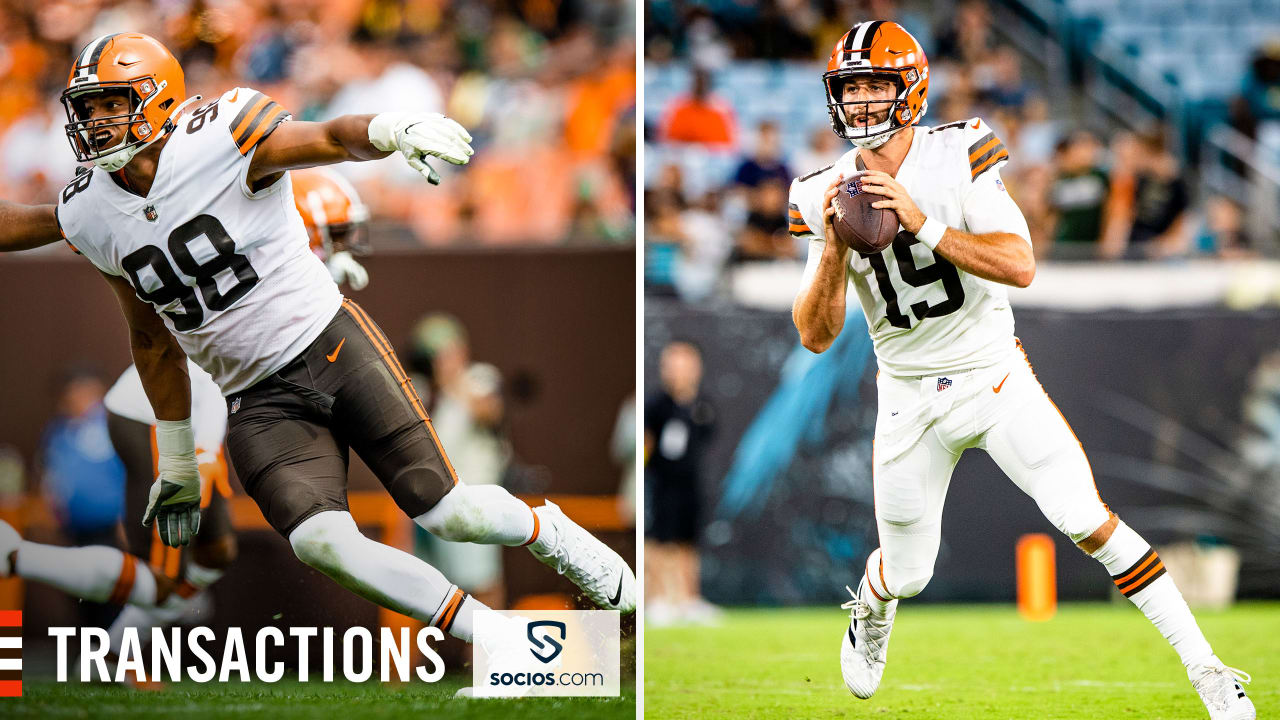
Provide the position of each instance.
(948, 662)
(293, 700)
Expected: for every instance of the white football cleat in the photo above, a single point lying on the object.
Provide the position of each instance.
(864, 648)
(9, 539)
(600, 572)
(1220, 689)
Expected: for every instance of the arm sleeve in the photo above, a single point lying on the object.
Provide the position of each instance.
(988, 208)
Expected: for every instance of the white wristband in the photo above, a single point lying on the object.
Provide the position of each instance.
(931, 232)
(174, 437)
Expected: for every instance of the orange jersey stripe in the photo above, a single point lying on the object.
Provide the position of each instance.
(249, 113)
(267, 123)
(973, 156)
(1002, 155)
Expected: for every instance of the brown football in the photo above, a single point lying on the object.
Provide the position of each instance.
(863, 228)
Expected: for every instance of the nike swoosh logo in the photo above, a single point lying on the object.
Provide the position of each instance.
(976, 123)
(334, 355)
(617, 596)
(853, 639)
(235, 95)
(996, 389)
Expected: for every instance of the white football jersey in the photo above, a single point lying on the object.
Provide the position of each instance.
(208, 410)
(229, 270)
(925, 315)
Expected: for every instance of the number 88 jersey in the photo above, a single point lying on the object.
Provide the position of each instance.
(228, 269)
(925, 315)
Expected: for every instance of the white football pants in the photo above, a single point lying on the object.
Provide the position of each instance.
(925, 423)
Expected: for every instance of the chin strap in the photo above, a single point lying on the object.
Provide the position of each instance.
(112, 162)
(875, 141)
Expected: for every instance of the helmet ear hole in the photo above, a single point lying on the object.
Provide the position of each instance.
(166, 104)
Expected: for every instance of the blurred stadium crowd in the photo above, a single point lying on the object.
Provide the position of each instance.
(734, 110)
(546, 87)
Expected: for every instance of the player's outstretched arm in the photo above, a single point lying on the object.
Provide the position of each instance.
(1003, 257)
(174, 500)
(161, 363)
(23, 227)
(416, 136)
(819, 308)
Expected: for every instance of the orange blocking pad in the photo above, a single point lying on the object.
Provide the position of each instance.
(1037, 577)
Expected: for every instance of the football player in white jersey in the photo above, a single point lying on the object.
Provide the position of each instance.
(952, 375)
(336, 223)
(188, 213)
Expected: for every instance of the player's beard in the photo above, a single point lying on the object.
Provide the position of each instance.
(863, 116)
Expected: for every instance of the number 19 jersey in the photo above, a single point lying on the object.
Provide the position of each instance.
(228, 269)
(926, 316)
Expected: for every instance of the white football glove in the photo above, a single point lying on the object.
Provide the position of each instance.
(174, 500)
(344, 268)
(420, 135)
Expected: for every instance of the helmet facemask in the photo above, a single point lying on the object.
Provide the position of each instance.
(884, 118)
(138, 132)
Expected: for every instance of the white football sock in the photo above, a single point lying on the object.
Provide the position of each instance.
(97, 573)
(485, 514)
(456, 614)
(879, 598)
(1138, 573)
(144, 618)
(331, 543)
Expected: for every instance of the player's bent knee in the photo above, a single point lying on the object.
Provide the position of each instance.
(910, 587)
(323, 539)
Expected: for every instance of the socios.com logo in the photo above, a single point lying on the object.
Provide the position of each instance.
(545, 641)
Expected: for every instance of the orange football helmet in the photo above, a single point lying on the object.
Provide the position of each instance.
(883, 49)
(141, 68)
(336, 220)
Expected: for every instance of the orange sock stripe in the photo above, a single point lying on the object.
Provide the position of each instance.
(1143, 564)
(444, 618)
(406, 385)
(447, 625)
(185, 589)
(1157, 569)
(872, 586)
(534, 536)
(124, 583)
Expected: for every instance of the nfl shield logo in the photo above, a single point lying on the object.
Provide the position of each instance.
(943, 384)
(150, 212)
(235, 405)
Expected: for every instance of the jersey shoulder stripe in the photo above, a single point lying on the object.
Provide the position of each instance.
(815, 173)
(958, 125)
(795, 221)
(985, 153)
(256, 119)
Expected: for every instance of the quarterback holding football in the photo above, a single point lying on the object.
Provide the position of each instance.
(189, 214)
(952, 374)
